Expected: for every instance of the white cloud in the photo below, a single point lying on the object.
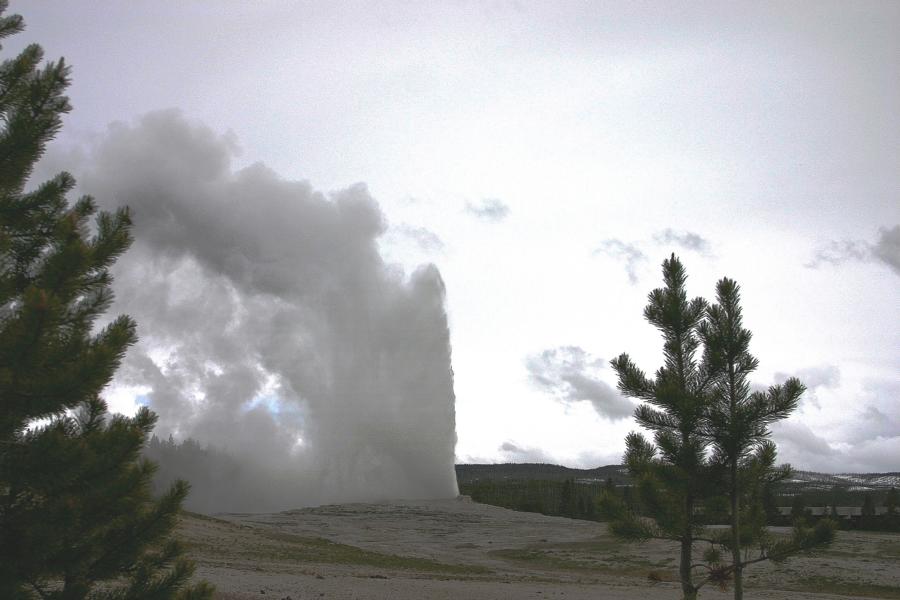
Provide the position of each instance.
(823, 376)
(885, 250)
(424, 238)
(629, 253)
(571, 375)
(684, 239)
(491, 210)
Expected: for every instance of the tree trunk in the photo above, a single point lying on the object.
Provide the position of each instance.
(735, 499)
(689, 592)
(736, 535)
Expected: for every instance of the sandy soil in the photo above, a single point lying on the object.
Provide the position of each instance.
(459, 549)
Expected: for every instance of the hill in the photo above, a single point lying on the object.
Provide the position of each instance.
(802, 481)
(470, 473)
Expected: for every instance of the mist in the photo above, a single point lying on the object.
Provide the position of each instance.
(271, 329)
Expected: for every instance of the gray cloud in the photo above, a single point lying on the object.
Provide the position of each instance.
(512, 452)
(878, 416)
(885, 250)
(571, 375)
(867, 440)
(424, 238)
(873, 423)
(629, 253)
(269, 324)
(684, 239)
(803, 448)
(824, 376)
(491, 210)
(799, 442)
(840, 251)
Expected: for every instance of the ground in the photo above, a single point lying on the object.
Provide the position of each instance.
(447, 549)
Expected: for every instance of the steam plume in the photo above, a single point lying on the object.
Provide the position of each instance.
(270, 326)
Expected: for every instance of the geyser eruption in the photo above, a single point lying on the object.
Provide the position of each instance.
(270, 326)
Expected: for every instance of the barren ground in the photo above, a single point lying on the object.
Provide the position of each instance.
(446, 549)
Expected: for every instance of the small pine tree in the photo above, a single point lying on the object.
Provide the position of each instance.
(75, 502)
(669, 473)
(737, 423)
(692, 407)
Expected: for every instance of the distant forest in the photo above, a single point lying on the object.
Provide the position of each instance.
(560, 491)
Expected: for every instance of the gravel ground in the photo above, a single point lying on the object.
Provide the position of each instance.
(459, 549)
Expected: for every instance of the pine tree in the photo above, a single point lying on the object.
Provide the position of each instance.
(890, 501)
(693, 407)
(891, 519)
(77, 519)
(609, 486)
(799, 512)
(868, 506)
(567, 501)
(668, 473)
(737, 421)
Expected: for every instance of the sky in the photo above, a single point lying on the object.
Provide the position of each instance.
(543, 158)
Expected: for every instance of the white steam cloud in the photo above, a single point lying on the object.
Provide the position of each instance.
(271, 327)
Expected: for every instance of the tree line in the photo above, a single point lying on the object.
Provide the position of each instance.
(580, 499)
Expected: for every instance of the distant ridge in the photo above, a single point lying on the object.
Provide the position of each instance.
(466, 473)
(801, 480)
(852, 481)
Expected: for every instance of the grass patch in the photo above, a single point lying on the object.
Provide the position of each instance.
(202, 517)
(856, 589)
(891, 549)
(596, 556)
(285, 547)
(296, 547)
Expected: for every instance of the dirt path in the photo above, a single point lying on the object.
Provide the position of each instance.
(459, 549)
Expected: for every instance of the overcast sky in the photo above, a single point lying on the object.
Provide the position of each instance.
(546, 157)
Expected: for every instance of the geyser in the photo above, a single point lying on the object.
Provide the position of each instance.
(270, 326)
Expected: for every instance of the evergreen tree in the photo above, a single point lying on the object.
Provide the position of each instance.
(891, 519)
(75, 502)
(693, 407)
(609, 487)
(737, 422)
(567, 500)
(798, 508)
(890, 501)
(868, 506)
(835, 493)
(769, 503)
(668, 472)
